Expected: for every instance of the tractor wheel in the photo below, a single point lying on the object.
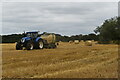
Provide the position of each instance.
(54, 46)
(29, 46)
(18, 46)
(40, 44)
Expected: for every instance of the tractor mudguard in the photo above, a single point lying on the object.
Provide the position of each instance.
(26, 38)
(38, 38)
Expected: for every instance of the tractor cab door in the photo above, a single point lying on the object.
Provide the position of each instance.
(34, 36)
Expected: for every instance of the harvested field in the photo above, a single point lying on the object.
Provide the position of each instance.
(66, 61)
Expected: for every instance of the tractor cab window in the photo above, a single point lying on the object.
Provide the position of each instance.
(33, 35)
(29, 35)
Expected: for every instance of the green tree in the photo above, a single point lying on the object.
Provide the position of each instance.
(109, 30)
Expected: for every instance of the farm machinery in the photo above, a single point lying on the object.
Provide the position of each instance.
(33, 41)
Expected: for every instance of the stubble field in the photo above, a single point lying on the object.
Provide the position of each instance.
(68, 60)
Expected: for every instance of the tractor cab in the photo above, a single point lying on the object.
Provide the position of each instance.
(32, 34)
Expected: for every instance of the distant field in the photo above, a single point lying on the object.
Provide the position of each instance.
(69, 60)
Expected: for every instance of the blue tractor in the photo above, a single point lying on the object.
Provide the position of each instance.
(33, 41)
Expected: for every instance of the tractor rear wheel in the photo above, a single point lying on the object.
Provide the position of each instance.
(29, 46)
(40, 44)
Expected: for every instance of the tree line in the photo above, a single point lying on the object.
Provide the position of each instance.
(16, 37)
(80, 37)
(108, 32)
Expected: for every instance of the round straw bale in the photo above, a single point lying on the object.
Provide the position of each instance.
(82, 41)
(57, 43)
(70, 41)
(60, 41)
(76, 41)
(88, 43)
(92, 40)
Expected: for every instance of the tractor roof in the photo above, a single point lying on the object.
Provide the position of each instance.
(33, 32)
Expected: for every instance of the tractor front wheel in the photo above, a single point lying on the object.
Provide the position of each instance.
(29, 46)
(18, 46)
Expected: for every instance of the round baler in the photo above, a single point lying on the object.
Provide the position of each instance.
(49, 40)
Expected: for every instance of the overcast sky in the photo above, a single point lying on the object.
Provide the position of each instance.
(59, 17)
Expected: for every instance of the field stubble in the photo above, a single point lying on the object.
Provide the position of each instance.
(69, 60)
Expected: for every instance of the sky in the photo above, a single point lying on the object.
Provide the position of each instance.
(66, 18)
(119, 9)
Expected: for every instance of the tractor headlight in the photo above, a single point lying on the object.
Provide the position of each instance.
(22, 40)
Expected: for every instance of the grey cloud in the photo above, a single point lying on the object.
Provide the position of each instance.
(64, 18)
(119, 8)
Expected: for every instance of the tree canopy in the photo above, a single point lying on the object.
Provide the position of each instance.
(109, 30)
